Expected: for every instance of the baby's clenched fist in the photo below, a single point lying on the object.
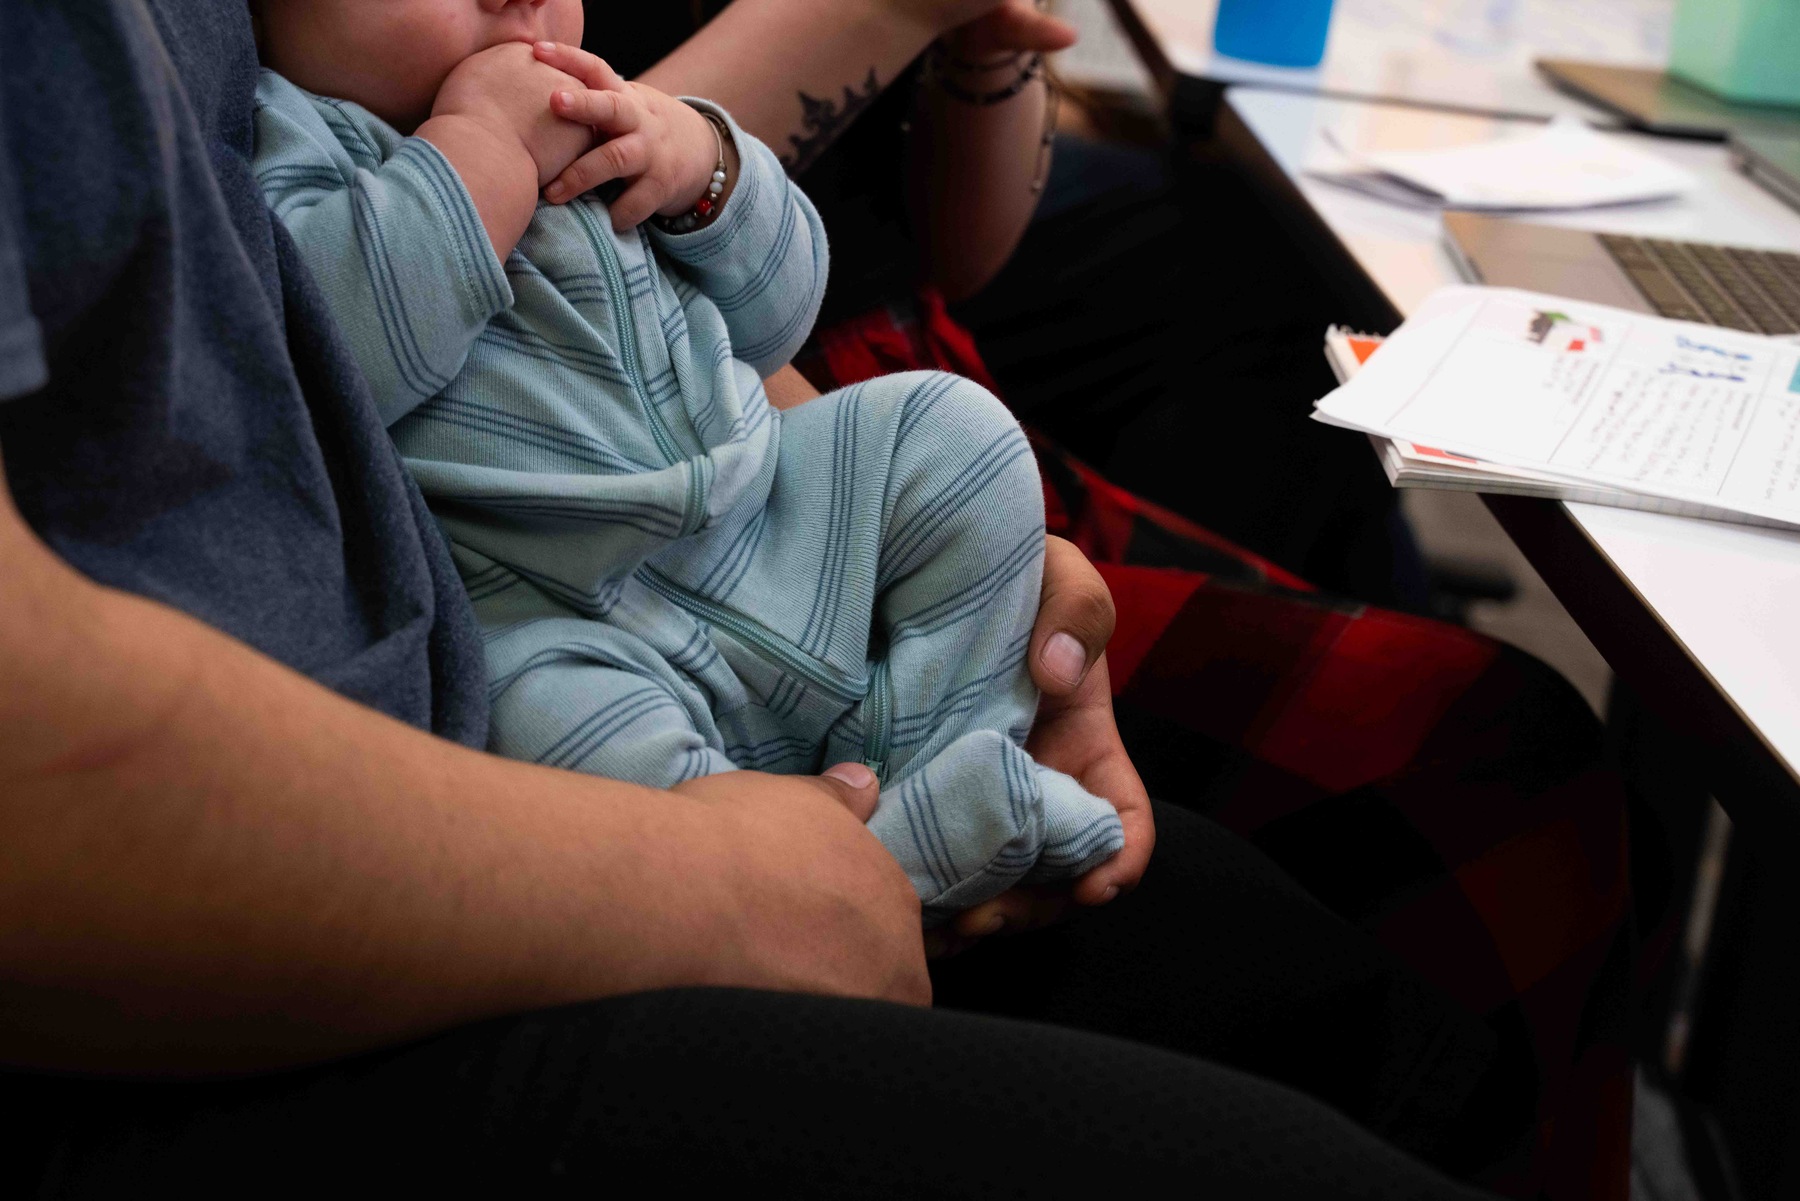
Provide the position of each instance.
(665, 150)
(507, 90)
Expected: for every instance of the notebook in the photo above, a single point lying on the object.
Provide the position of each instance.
(1594, 405)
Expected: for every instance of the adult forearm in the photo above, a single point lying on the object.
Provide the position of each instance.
(972, 175)
(208, 862)
(797, 73)
(817, 64)
(249, 871)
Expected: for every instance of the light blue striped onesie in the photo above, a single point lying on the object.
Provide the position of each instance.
(672, 578)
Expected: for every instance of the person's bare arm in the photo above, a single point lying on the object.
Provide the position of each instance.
(210, 863)
(836, 57)
(973, 165)
(796, 73)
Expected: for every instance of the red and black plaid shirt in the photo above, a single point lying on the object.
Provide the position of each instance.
(1438, 788)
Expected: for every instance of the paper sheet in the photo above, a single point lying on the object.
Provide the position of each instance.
(1591, 394)
(1565, 165)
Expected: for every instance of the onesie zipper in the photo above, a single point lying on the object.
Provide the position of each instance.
(748, 630)
(628, 346)
(878, 719)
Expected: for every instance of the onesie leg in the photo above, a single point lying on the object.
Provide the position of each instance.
(957, 582)
(572, 704)
(902, 544)
(980, 816)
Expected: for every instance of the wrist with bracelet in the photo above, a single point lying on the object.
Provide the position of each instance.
(709, 204)
(940, 62)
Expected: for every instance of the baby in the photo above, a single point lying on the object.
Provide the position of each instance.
(672, 578)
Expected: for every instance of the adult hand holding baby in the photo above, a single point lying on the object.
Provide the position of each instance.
(821, 905)
(1075, 733)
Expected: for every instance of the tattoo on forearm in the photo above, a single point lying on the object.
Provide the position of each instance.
(823, 119)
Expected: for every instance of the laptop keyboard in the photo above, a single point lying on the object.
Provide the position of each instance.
(1754, 290)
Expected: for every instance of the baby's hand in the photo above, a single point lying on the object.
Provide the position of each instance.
(507, 90)
(667, 149)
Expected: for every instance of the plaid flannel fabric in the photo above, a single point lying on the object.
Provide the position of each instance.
(1438, 788)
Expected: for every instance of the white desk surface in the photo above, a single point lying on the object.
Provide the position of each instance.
(1459, 54)
(1729, 595)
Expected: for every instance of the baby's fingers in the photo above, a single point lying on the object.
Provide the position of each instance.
(609, 112)
(621, 158)
(637, 204)
(590, 69)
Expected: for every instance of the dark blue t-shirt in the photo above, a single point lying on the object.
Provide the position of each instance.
(178, 417)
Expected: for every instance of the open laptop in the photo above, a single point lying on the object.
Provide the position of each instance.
(1755, 290)
(1772, 162)
(1653, 101)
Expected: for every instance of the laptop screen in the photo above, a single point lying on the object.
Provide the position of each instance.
(1778, 155)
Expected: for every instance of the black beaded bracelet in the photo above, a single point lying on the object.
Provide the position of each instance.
(1031, 69)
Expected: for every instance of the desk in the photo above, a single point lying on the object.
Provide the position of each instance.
(1697, 616)
(1468, 55)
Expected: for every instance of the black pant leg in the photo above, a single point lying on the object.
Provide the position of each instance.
(1218, 955)
(1221, 955)
(737, 1093)
(1155, 322)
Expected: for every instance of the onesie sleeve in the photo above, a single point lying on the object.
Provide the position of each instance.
(762, 261)
(393, 239)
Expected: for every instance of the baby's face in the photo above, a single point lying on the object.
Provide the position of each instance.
(390, 56)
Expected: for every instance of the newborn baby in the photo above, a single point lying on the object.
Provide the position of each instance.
(673, 578)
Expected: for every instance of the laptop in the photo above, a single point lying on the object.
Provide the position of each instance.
(1731, 286)
(1772, 162)
(1653, 101)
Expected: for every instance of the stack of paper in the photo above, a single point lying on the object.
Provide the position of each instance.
(1495, 390)
(1565, 165)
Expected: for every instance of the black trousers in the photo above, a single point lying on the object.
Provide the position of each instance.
(1218, 1028)
(1157, 323)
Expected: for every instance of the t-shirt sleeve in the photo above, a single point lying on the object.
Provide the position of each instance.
(22, 366)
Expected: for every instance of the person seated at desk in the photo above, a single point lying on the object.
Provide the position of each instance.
(1426, 782)
(241, 836)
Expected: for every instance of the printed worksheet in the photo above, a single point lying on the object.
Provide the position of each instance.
(1591, 394)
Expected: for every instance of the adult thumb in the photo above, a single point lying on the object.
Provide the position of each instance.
(1020, 27)
(856, 786)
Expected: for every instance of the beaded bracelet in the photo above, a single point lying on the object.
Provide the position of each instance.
(1031, 69)
(708, 204)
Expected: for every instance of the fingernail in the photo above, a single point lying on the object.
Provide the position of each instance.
(554, 191)
(1065, 658)
(854, 774)
(566, 97)
(993, 925)
(1112, 890)
(546, 45)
